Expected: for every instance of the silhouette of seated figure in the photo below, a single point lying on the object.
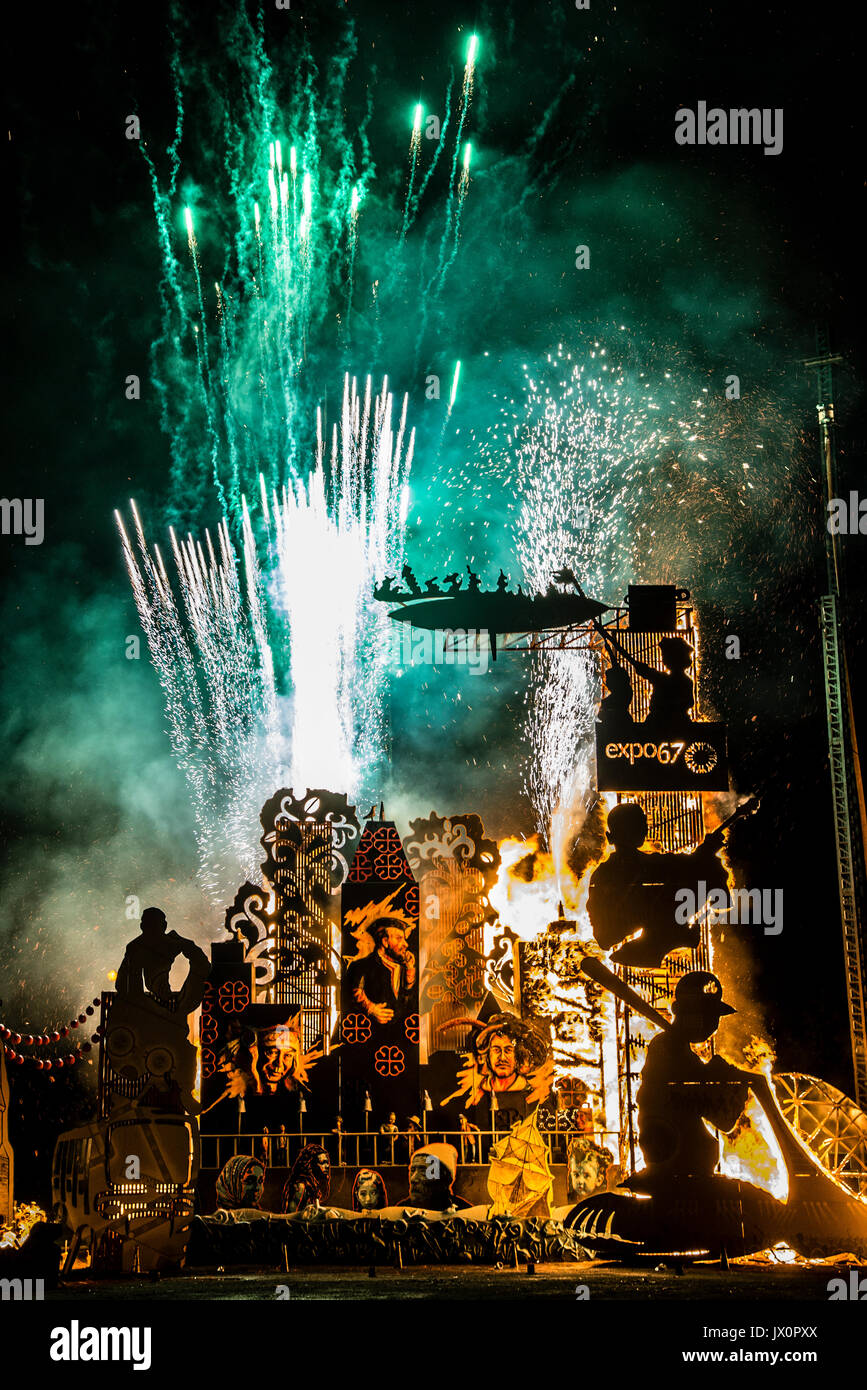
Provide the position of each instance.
(691, 1209)
(502, 582)
(679, 1091)
(672, 690)
(454, 583)
(387, 589)
(634, 891)
(474, 581)
(431, 586)
(614, 708)
(410, 581)
(146, 1035)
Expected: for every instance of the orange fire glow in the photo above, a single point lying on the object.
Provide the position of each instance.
(14, 1233)
(528, 896)
(529, 890)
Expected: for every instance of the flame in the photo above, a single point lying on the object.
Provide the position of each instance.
(751, 1152)
(532, 893)
(783, 1254)
(14, 1233)
(529, 890)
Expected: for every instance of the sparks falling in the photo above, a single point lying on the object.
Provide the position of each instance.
(465, 172)
(628, 474)
(336, 533)
(300, 619)
(216, 670)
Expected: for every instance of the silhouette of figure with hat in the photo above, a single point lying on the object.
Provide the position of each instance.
(679, 1091)
(691, 1208)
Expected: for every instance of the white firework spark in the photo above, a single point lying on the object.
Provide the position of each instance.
(335, 534)
(219, 649)
(578, 455)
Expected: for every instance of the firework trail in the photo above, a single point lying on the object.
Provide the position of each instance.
(217, 650)
(463, 187)
(466, 98)
(194, 257)
(454, 391)
(453, 395)
(215, 668)
(289, 232)
(438, 149)
(414, 154)
(458, 185)
(231, 372)
(353, 246)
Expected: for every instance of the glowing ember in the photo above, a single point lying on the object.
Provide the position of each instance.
(14, 1233)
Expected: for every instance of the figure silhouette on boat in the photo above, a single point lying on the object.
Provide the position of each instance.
(470, 608)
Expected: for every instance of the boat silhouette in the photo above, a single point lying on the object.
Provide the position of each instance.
(493, 612)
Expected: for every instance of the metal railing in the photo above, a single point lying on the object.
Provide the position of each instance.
(377, 1150)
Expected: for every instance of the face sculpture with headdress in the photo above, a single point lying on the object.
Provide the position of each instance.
(309, 1183)
(241, 1183)
(507, 1055)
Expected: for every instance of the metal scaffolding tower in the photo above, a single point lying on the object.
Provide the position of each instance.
(846, 786)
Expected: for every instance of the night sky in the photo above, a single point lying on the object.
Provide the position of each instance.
(717, 260)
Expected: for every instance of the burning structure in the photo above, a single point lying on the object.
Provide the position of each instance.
(533, 1042)
(382, 1003)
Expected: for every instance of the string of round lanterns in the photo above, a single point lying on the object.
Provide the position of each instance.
(12, 1040)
